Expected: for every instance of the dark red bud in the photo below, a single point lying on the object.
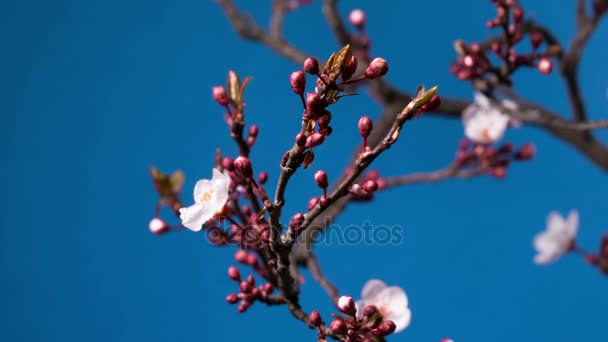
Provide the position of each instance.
(313, 203)
(387, 327)
(219, 95)
(297, 80)
(315, 139)
(370, 186)
(242, 166)
(432, 104)
(301, 139)
(228, 163)
(536, 38)
(245, 287)
(526, 152)
(313, 105)
(315, 318)
(369, 310)
(311, 65)
(365, 126)
(234, 274)
(263, 177)
(321, 179)
(376, 68)
(338, 326)
(232, 298)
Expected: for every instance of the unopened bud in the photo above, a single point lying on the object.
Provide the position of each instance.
(365, 126)
(315, 139)
(526, 152)
(263, 177)
(386, 328)
(518, 14)
(338, 326)
(346, 304)
(219, 95)
(432, 104)
(243, 306)
(241, 256)
(242, 166)
(315, 318)
(369, 310)
(313, 203)
(296, 220)
(376, 68)
(357, 18)
(254, 130)
(370, 186)
(234, 274)
(311, 66)
(158, 226)
(228, 163)
(499, 172)
(297, 79)
(545, 66)
(324, 120)
(321, 179)
(232, 298)
(349, 69)
(245, 287)
(313, 105)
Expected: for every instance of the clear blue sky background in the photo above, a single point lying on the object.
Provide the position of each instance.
(94, 92)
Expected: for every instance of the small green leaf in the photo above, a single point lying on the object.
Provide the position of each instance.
(177, 179)
(234, 87)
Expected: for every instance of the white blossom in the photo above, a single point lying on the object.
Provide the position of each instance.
(391, 301)
(484, 122)
(210, 196)
(557, 238)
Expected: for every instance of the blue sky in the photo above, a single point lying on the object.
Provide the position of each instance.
(96, 92)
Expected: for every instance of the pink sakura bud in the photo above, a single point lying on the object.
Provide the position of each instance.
(263, 177)
(234, 274)
(251, 280)
(545, 66)
(370, 186)
(376, 68)
(338, 326)
(369, 310)
(158, 226)
(324, 120)
(492, 23)
(252, 260)
(446, 340)
(232, 298)
(526, 152)
(268, 288)
(321, 179)
(242, 166)
(349, 70)
(346, 304)
(313, 105)
(518, 14)
(300, 139)
(315, 318)
(296, 220)
(243, 306)
(245, 287)
(433, 103)
(219, 95)
(385, 328)
(499, 172)
(536, 38)
(357, 18)
(313, 203)
(254, 130)
(365, 126)
(228, 163)
(297, 79)
(311, 66)
(315, 139)
(241, 256)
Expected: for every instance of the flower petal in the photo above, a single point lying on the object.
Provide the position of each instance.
(395, 304)
(555, 221)
(371, 289)
(202, 186)
(221, 186)
(402, 320)
(195, 216)
(481, 99)
(572, 223)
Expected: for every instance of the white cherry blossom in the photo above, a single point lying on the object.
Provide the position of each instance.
(557, 238)
(210, 196)
(391, 301)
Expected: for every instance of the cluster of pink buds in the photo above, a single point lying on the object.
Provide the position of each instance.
(473, 61)
(491, 160)
(331, 81)
(355, 327)
(248, 292)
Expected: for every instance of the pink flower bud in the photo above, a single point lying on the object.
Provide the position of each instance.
(346, 304)
(386, 328)
(219, 95)
(349, 70)
(357, 18)
(324, 119)
(365, 126)
(252, 260)
(369, 310)
(315, 318)
(268, 288)
(313, 203)
(297, 79)
(376, 68)
(232, 298)
(158, 226)
(315, 139)
(251, 280)
(241, 256)
(370, 186)
(321, 179)
(313, 105)
(254, 130)
(433, 103)
(263, 177)
(492, 23)
(234, 274)
(245, 287)
(311, 66)
(518, 14)
(499, 172)
(545, 66)
(228, 163)
(526, 152)
(243, 306)
(296, 221)
(242, 165)
(338, 326)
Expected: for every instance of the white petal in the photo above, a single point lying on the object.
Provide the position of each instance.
(510, 104)
(544, 259)
(372, 288)
(481, 99)
(202, 186)
(360, 305)
(572, 223)
(402, 320)
(221, 185)
(193, 217)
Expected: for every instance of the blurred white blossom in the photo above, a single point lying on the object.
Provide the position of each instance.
(484, 122)
(557, 238)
